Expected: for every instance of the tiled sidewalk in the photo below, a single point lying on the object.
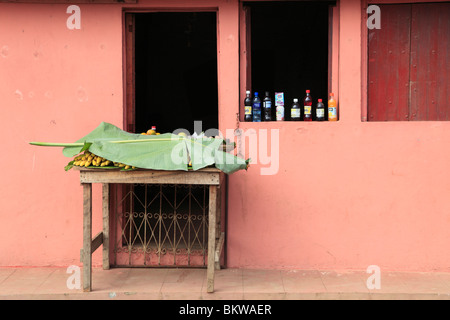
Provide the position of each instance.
(233, 284)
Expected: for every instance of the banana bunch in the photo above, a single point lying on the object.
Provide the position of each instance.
(124, 166)
(88, 159)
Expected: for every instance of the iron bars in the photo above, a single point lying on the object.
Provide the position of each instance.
(161, 225)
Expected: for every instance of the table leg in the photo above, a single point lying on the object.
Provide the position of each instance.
(105, 201)
(218, 226)
(211, 238)
(86, 256)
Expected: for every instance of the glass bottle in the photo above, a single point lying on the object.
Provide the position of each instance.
(248, 115)
(307, 107)
(332, 108)
(320, 111)
(295, 111)
(267, 107)
(256, 106)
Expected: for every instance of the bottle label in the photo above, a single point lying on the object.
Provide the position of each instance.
(320, 113)
(256, 115)
(280, 113)
(279, 99)
(307, 110)
(295, 113)
(248, 110)
(332, 113)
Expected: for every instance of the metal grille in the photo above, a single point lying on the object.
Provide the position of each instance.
(161, 225)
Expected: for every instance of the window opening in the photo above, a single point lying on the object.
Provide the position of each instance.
(176, 70)
(287, 50)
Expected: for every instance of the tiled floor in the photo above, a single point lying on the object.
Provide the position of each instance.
(233, 284)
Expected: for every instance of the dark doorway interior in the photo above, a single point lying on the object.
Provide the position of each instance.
(176, 70)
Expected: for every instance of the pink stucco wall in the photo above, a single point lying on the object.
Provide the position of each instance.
(346, 195)
(56, 85)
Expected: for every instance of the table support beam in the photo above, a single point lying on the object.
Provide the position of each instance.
(219, 248)
(86, 257)
(105, 201)
(211, 238)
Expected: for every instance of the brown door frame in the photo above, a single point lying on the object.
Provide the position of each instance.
(129, 109)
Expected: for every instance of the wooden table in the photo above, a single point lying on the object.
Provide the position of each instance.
(212, 177)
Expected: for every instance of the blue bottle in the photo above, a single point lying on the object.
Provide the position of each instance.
(256, 108)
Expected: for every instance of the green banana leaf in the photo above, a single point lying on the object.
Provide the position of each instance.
(159, 152)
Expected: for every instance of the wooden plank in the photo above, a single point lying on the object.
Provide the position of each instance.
(388, 65)
(333, 49)
(117, 204)
(219, 248)
(443, 60)
(129, 115)
(218, 211)
(221, 178)
(207, 169)
(87, 236)
(150, 176)
(106, 225)
(96, 242)
(244, 55)
(430, 29)
(211, 238)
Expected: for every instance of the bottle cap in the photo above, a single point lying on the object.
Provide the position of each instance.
(320, 100)
(332, 94)
(295, 100)
(247, 92)
(256, 94)
(307, 91)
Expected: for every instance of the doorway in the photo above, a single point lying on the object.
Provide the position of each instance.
(171, 81)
